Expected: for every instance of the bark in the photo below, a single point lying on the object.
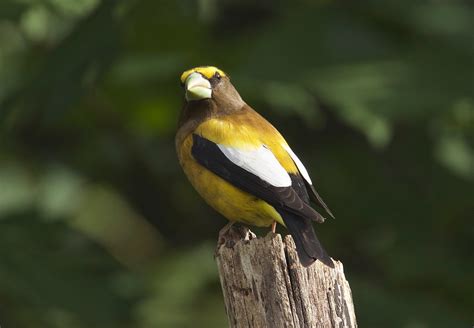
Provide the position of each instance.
(264, 284)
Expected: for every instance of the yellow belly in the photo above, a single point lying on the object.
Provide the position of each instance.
(231, 202)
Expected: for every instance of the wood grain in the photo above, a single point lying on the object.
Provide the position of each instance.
(265, 286)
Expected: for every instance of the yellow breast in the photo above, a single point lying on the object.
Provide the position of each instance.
(231, 202)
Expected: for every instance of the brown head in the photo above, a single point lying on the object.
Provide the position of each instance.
(209, 89)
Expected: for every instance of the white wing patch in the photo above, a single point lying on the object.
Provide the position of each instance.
(260, 162)
(299, 164)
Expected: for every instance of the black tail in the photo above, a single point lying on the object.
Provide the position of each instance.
(307, 244)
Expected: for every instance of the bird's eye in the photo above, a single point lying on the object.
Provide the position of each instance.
(215, 79)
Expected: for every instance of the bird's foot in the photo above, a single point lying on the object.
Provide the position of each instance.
(223, 232)
(274, 226)
(231, 233)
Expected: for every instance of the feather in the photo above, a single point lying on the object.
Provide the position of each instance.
(260, 162)
(209, 155)
(308, 247)
(309, 184)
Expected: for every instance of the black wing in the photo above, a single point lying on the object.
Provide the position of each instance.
(316, 198)
(309, 192)
(208, 154)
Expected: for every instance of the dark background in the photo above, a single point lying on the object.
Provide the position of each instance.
(98, 225)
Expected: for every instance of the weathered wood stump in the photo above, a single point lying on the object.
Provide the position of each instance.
(264, 285)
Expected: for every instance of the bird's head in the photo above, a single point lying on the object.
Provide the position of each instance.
(209, 82)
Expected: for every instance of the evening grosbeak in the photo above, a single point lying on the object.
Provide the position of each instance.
(242, 166)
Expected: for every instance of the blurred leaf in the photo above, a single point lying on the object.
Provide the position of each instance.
(54, 276)
(290, 98)
(457, 155)
(52, 90)
(19, 189)
(137, 69)
(100, 228)
(12, 9)
(180, 297)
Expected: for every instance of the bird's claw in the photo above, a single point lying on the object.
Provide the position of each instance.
(230, 234)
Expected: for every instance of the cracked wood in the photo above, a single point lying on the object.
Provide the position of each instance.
(265, 286)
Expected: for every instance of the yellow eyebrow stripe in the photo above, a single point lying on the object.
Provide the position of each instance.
(206, 71)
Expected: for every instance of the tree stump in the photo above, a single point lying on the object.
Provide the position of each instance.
(264, 284)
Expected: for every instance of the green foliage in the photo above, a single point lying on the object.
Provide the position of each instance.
(98, 226)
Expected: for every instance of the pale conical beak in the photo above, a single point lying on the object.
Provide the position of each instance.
(197, 87)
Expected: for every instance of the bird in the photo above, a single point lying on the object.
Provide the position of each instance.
(242, 166)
